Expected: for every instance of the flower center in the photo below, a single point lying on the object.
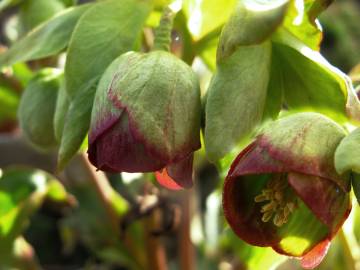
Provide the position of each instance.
(280, 200)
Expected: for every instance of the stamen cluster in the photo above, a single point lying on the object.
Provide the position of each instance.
(281, 200)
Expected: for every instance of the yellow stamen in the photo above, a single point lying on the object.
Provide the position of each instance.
(279, 198)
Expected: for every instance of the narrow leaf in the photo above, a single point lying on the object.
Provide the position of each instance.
(76, 124)
(62, 106)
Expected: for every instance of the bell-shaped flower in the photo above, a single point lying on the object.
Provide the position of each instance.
(148, 119)
(282, 190)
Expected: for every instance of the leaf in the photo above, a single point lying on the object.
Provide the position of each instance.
(300, 24)
(47, 39)
(236, 98)
(275, 93)
(107, 30)
(37, 108)
(76, 124)
(22, 192)
(34, 12)
(205, 16)
(251, 23)
(347, 155)
(62, 107)
(310, 83)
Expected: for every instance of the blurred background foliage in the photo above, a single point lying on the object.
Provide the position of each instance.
(82, 219)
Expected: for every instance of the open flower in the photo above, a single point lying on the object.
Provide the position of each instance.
(148, 119)
(282, 191)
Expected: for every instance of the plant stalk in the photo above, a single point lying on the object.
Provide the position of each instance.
(163, 31)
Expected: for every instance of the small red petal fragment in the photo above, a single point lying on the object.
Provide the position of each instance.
(165, 180)
(315, 256)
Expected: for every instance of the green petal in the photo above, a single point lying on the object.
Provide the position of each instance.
(251, 23)
(301, 233)
(236, 98)
(306, 143)
(161, 94)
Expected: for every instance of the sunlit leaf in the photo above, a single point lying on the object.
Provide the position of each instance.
(206, 16)
(22, 191)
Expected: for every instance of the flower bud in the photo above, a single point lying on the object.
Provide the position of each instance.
(148, 119)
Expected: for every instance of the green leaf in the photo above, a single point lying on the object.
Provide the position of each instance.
(310, 83)
(107, 30)
(62, 107)
(47, 39)
(347, 155)
(300, 24)
(22, 192)
(37, 108)
(315, 7)
(251, 23)
(236, 98)
(76, 124)
(206, 16)
(34, 12)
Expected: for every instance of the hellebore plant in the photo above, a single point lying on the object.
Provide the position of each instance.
(148, 119)
(283, 191)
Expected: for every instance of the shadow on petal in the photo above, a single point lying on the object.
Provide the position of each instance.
(243, 214)
(326, 200)
(116, 150)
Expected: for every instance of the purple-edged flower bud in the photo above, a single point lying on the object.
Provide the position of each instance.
(282, 191)
(148, 119)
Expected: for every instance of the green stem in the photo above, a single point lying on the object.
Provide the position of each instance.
(163, 31)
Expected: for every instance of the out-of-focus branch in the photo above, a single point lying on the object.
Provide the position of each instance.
(156, 255)
(186, 247)
(80, 168)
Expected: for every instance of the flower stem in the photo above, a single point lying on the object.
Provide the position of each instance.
(102, 187)
(163, 31)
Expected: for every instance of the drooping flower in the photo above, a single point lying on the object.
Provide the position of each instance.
(148, 119)
(282, 191)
